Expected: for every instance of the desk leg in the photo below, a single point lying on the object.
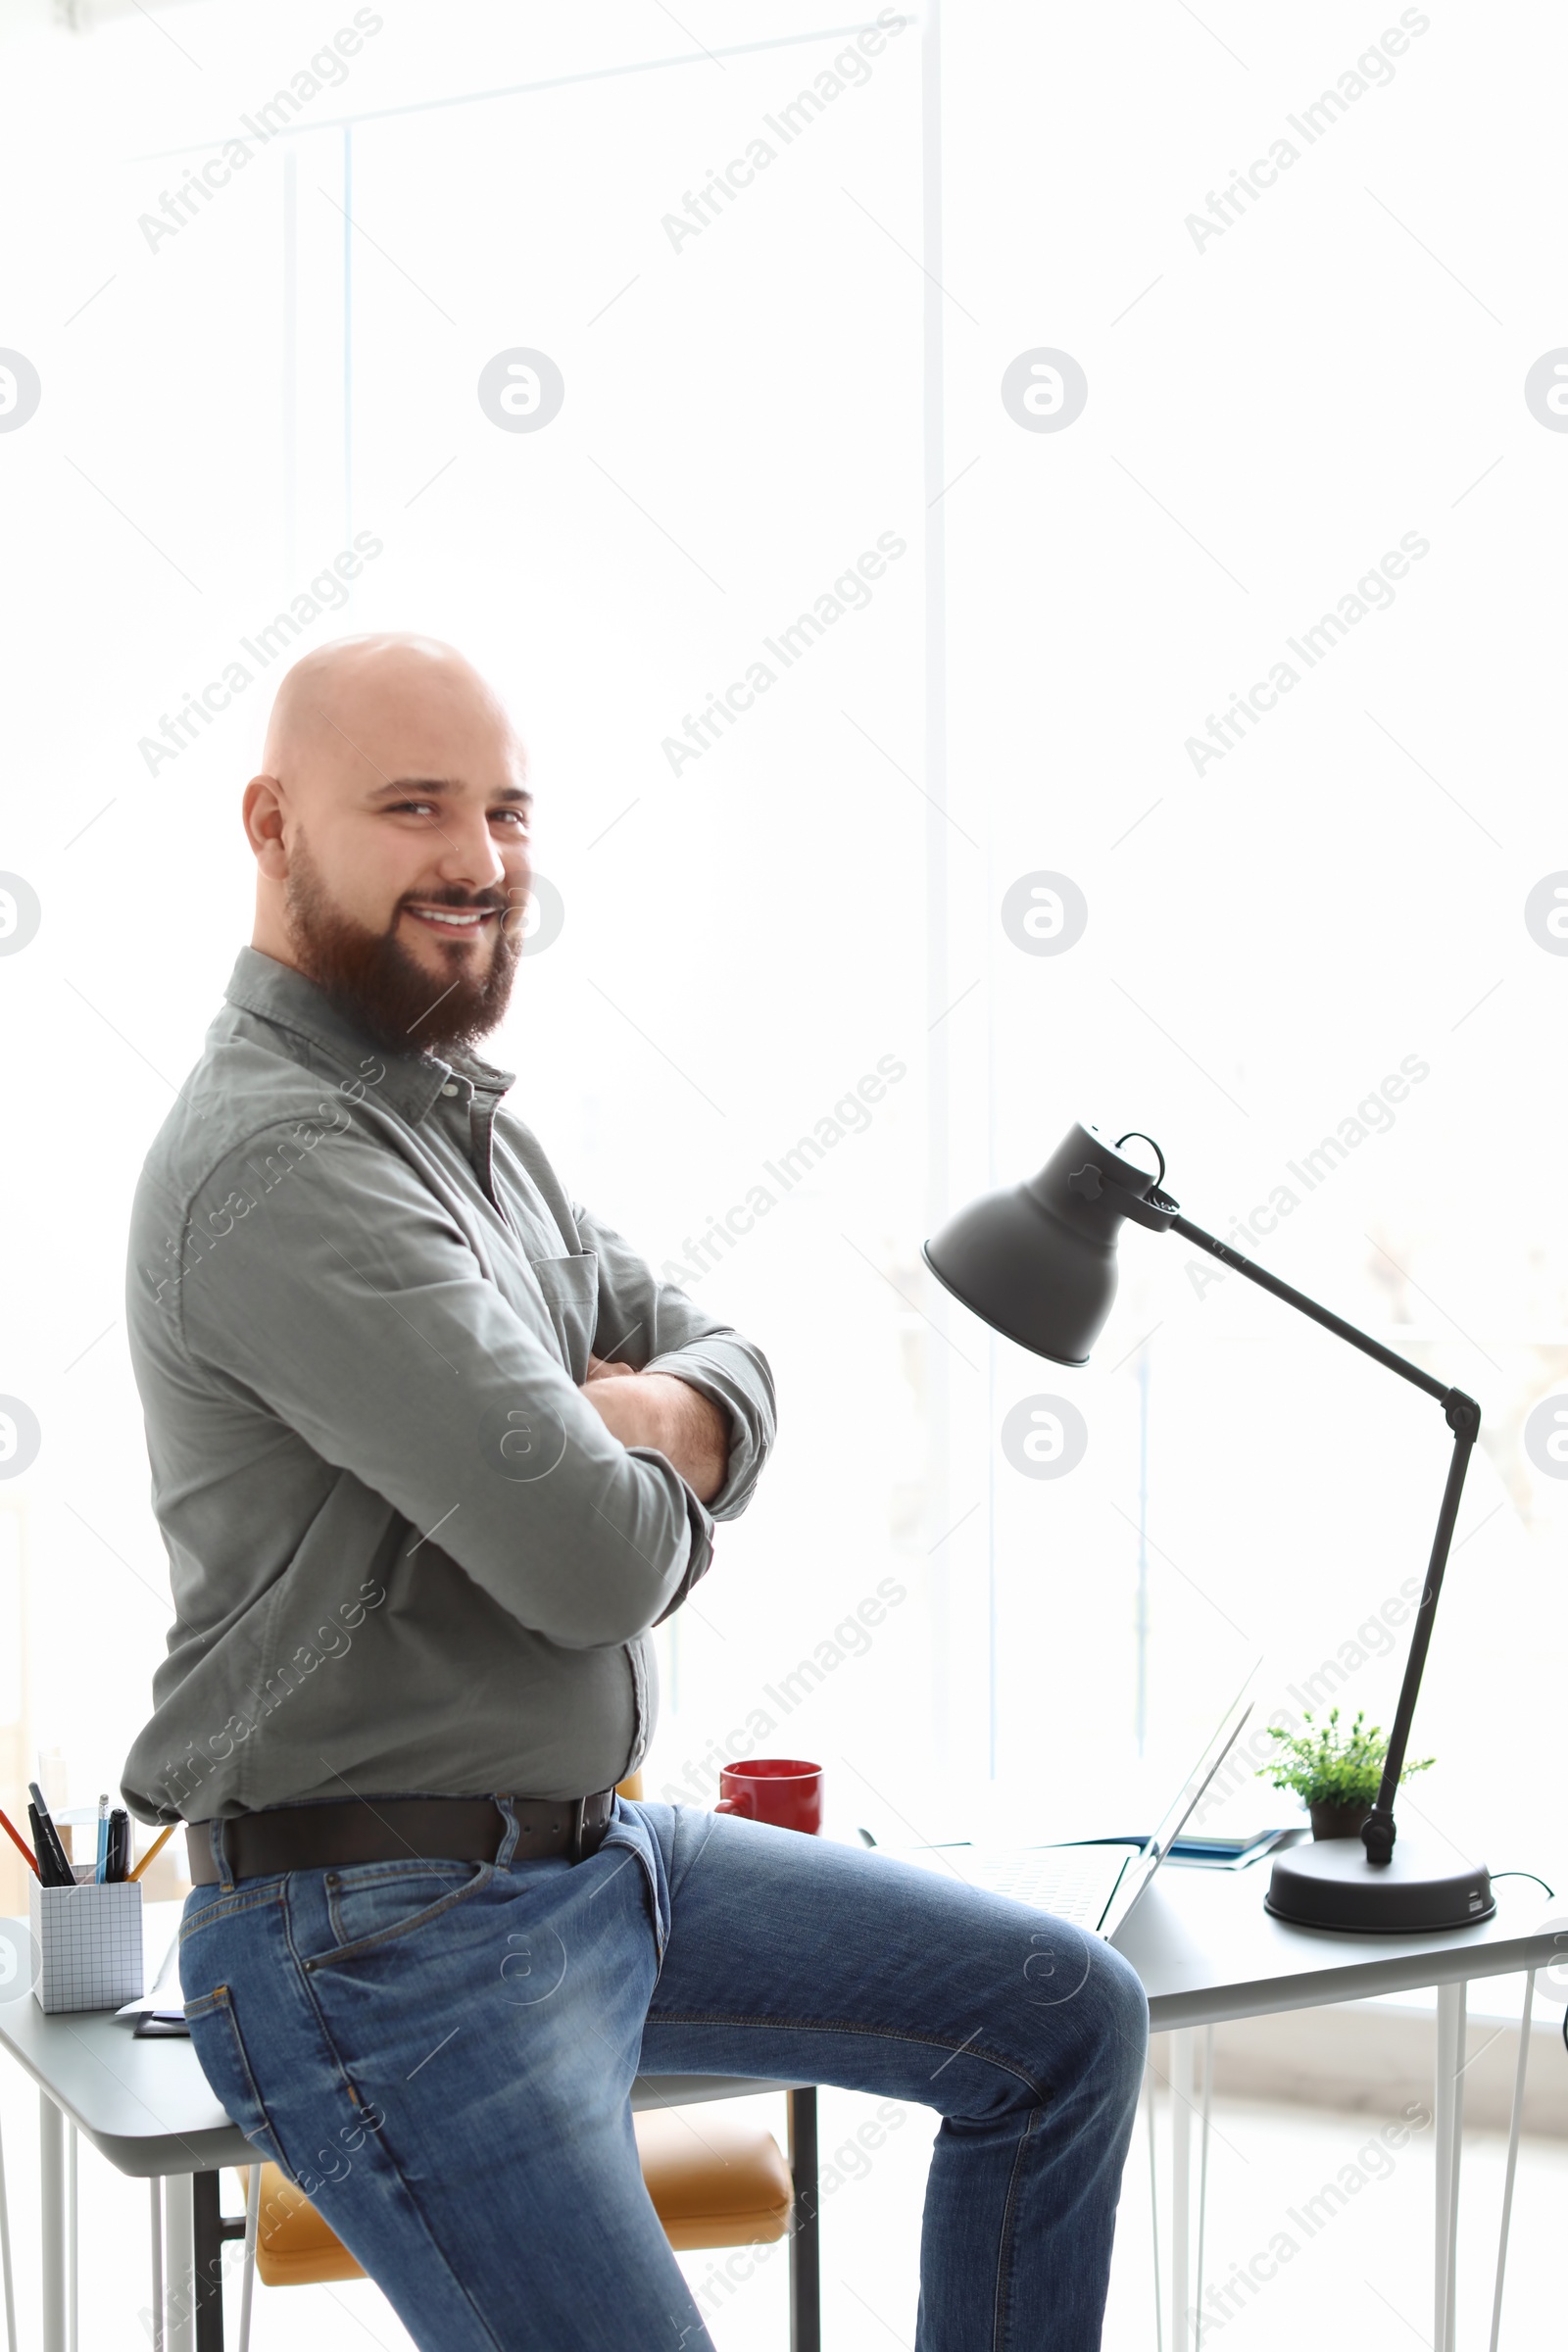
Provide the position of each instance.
(156, 2199)
(1180, 2175)
(179, 2265)
(253, 2211)
(1202, 2174)
(5, 2257)
(1448, 2113)
(52, 2215)
(1153, 2204)
(1513, 2155)
(207, 2237)
(73, 2246)
(806, 2250)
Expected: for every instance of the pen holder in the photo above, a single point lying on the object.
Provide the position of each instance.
(90, 1946)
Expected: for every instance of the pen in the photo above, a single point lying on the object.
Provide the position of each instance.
(119, 1843)
(20, 1845)
(49, 1838)
(157, 1847)
(48, 1867)
(100, 1868)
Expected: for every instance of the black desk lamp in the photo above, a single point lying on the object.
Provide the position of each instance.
(1038, 1264)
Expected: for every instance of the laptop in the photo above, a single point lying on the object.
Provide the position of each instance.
(1093, 1886)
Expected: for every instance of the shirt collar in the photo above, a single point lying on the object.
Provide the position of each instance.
(278, 992)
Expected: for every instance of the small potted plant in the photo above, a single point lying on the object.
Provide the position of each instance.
(1336, 1773)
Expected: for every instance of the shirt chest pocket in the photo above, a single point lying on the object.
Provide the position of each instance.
(570, 1289)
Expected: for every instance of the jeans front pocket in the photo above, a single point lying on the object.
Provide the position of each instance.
(378, 1899)
(220, 2053)
(373, 1903)
(631, 1836)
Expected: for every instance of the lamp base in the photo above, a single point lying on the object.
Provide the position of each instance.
(1331, 1883)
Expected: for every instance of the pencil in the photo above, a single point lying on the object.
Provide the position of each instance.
(20, 1845)
(156, 1849)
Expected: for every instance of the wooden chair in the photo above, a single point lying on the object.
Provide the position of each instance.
(729, 2187)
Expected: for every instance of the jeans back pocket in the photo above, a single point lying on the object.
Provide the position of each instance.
(220, 2053)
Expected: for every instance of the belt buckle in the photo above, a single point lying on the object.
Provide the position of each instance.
(579, 1808)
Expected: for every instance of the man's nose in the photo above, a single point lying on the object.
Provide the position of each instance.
(469, 856)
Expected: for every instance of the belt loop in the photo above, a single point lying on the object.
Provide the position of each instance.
(226, 1876)
(579, 1806)
(509, 1843)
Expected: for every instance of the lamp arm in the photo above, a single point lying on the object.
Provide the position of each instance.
(1463, 1416)
(1308, 1307)
(1378, 1830)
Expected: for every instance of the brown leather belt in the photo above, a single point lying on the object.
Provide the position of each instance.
(397, 1828)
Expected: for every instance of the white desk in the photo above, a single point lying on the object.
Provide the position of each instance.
(1208, 1951)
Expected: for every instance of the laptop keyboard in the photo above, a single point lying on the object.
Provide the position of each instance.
(1074, 1882)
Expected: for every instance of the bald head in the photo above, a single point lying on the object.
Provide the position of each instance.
(390, 830)
(356, 688)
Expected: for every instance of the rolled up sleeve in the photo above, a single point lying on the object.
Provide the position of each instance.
(655, 1327)
(341, 1296)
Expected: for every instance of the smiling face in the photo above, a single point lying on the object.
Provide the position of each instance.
(390, 831)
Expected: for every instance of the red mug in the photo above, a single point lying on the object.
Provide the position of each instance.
(777, 1788)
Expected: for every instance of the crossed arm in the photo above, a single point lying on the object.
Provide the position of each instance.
(661, 1410)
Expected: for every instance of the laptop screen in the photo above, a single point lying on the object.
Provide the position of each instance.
(1142, 1866)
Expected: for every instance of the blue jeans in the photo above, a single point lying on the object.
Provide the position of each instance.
(441, 2054)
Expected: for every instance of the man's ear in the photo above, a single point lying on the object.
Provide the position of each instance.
(262, 812)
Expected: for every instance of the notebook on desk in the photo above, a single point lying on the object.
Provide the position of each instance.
(1091, 1885)
(160, 2014)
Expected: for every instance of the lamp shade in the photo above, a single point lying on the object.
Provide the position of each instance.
(1038, 1260)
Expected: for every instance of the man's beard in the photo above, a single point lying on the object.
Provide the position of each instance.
(385, 989)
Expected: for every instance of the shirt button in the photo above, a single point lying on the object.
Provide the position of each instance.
(449, 1089)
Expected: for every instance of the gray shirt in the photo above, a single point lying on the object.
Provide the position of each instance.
(407, 1555)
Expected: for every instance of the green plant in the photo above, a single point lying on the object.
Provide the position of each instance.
(1326, 1766)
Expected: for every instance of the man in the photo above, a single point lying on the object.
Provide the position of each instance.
(432, 1451)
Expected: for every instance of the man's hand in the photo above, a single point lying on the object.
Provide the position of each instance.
(658, 1409)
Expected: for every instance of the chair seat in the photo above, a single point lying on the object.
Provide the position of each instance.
(717, 2182)
(294, 2246)
(714, 2179)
